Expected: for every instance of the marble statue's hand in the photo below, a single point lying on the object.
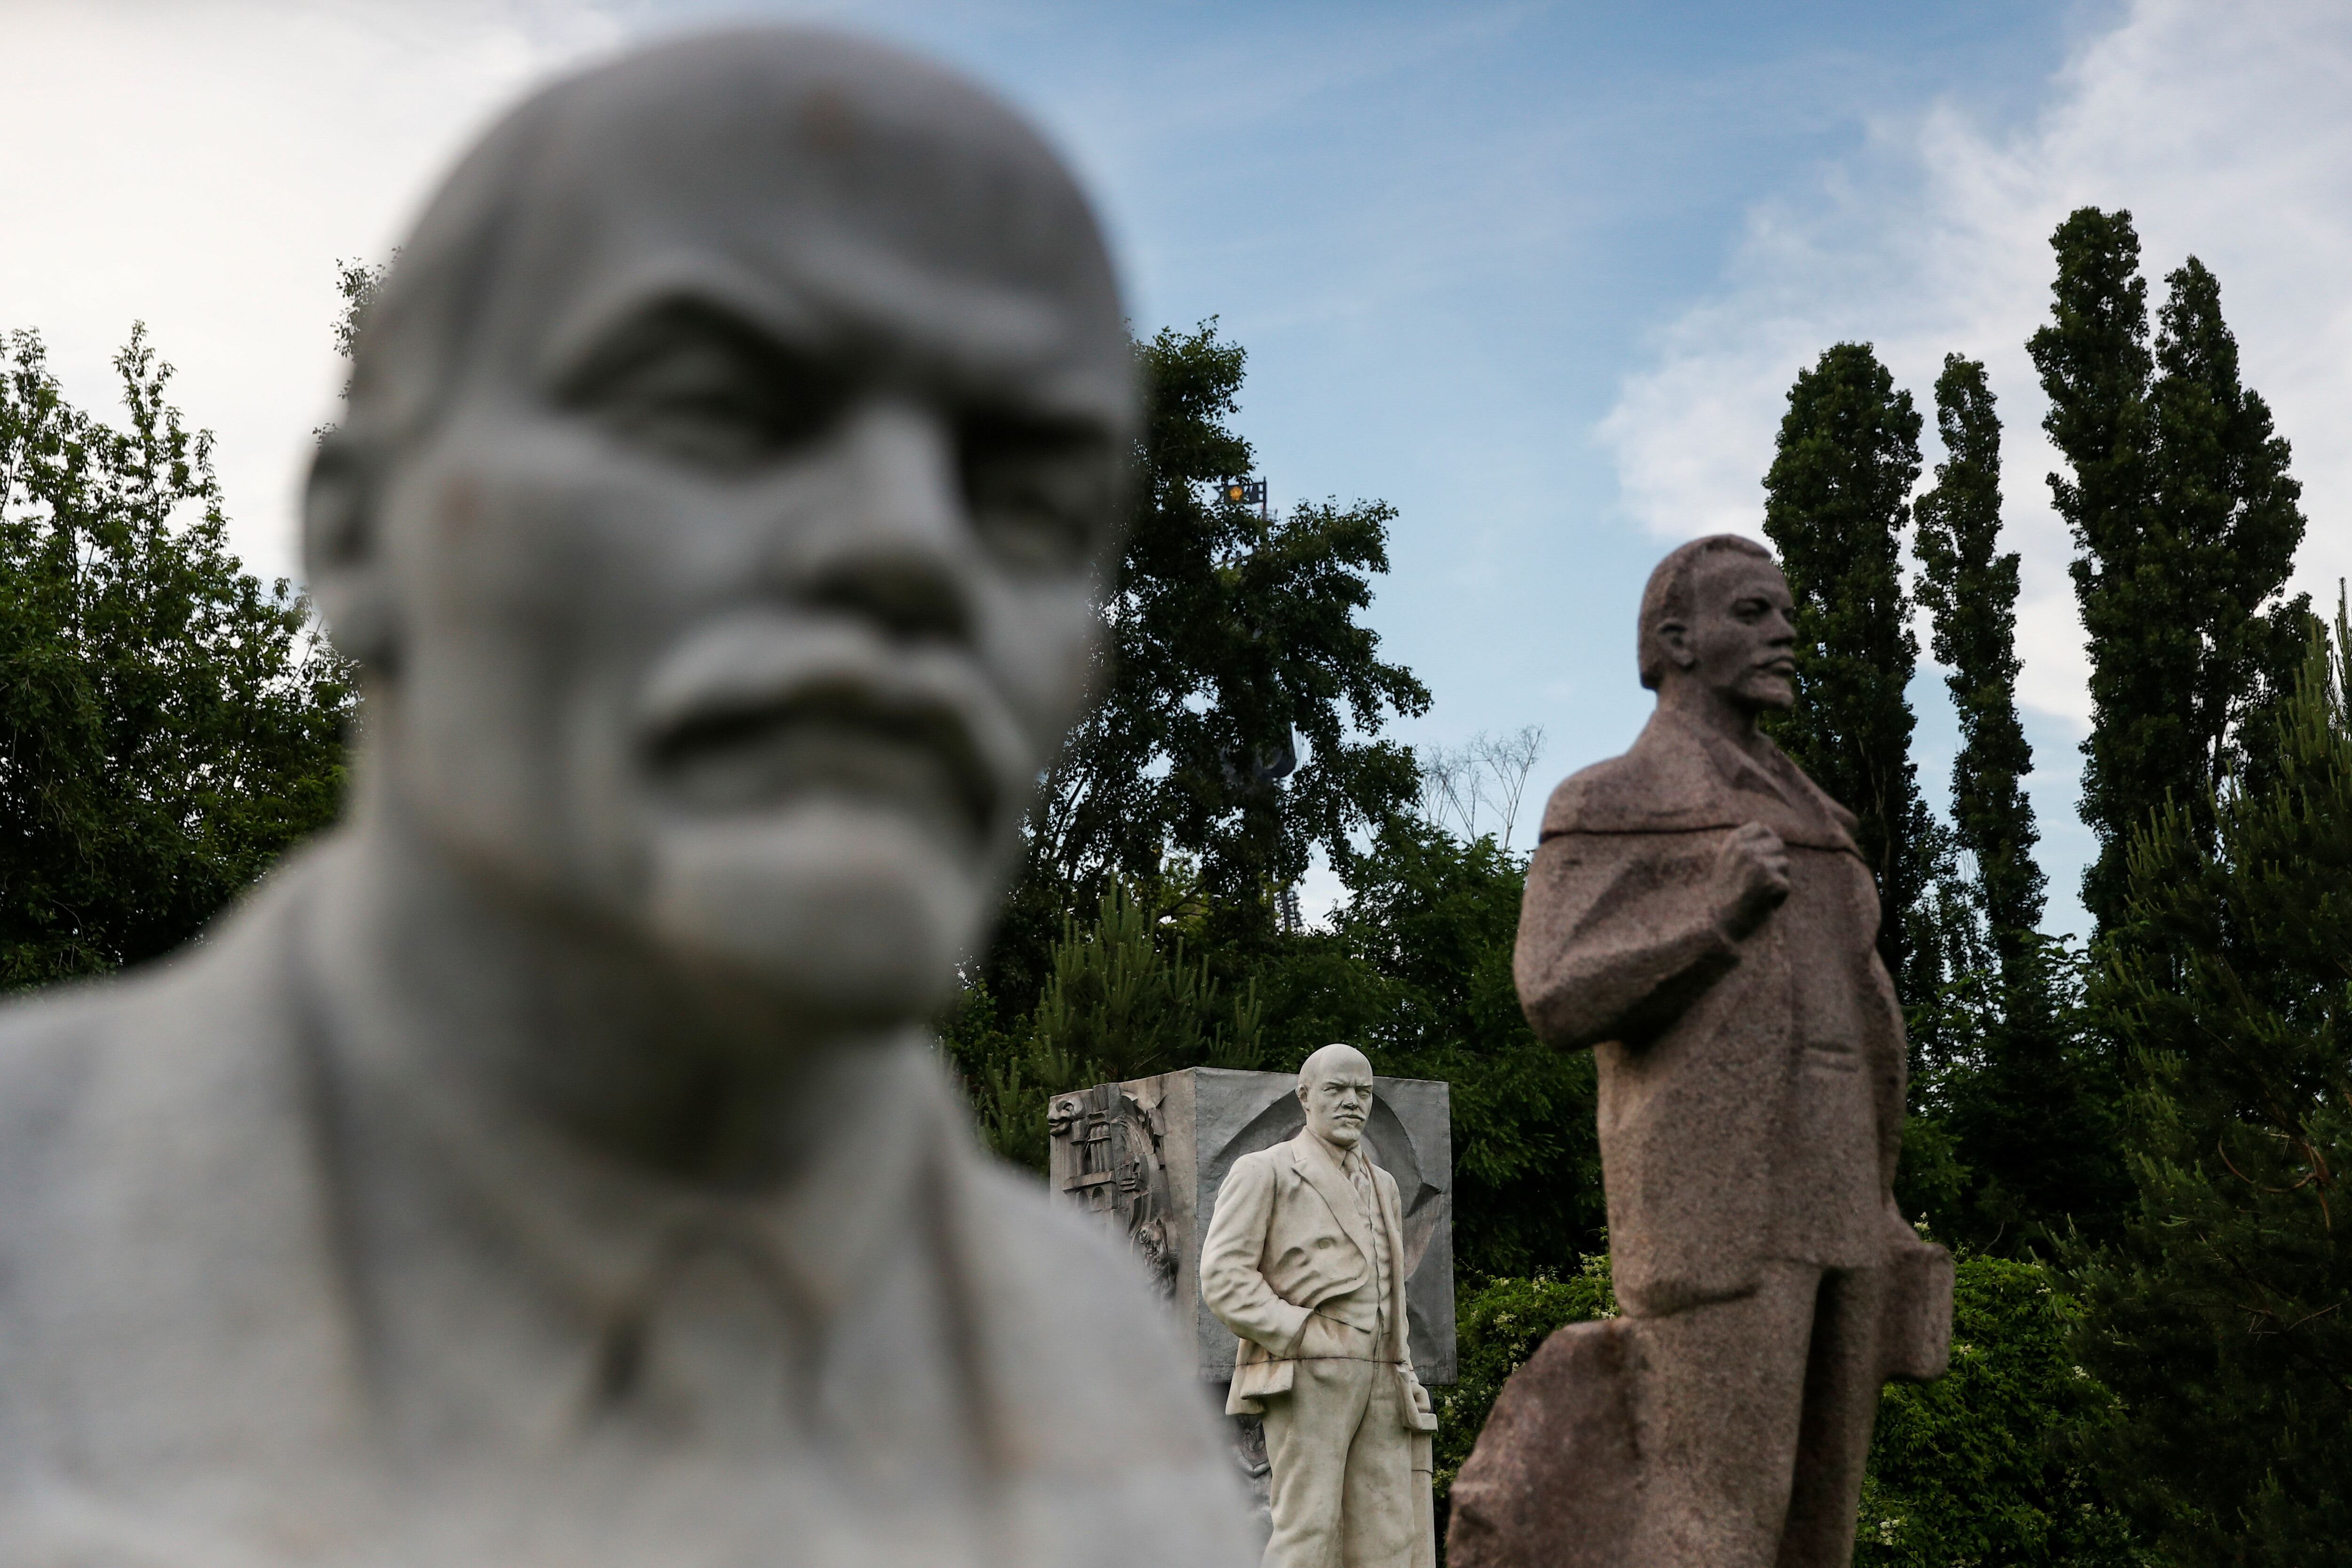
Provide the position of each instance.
(1751, 878)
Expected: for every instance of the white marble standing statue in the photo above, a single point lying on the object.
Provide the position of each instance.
(1304, 1260)
(551, 1167)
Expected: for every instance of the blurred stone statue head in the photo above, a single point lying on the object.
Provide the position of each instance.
(731, 457)
(550, 1164)
(1335, 1086)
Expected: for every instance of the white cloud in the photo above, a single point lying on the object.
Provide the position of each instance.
(2228, 132)
(202, 166)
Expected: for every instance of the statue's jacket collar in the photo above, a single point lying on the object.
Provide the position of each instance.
(1679, 778)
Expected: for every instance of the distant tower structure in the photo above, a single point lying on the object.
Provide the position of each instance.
(1266, 770)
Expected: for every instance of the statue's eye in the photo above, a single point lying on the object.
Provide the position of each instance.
(694, 384)
(1040, 493)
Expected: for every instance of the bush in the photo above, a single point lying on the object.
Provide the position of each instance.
(1980, 1467)
(1977, 1469)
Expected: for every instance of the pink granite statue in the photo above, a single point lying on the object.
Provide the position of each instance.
(1697, 914)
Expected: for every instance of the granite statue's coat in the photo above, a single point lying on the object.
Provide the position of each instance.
(1702, 1041)
(1750, 1115)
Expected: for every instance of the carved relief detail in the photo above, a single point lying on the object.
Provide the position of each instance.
(1106, 1149)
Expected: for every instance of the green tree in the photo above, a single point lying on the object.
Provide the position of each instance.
(1835, 506)
(1123, 1001)
(1984, 1465)
(1230, 639)
(2228, 516)
(168, 726)
(2219, 1313)
(2185, 521)
(1969, 588)
(2026, 1102)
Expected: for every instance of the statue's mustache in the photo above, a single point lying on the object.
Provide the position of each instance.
(828, 694)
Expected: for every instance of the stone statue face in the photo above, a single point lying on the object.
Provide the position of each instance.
(740, 584)
(1337, 1092)
(1740, 640)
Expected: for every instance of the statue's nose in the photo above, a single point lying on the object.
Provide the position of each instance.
(897, 554)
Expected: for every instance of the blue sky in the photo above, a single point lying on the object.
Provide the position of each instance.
(1536, 274)
(1444, 233)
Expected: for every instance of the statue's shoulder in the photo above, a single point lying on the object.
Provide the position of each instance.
(1665, 784)
(50, 1040)
(91, 1071)
(1261, 1165)
(56, 1041)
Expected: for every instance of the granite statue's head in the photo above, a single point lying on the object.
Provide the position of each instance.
(731, 457)
(1717, 615)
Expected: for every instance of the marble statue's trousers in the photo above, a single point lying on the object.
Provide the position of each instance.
(1755, 1421)
(1342, 1481)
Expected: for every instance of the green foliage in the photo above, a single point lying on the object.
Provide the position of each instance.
(2022, 1099)
(1835, 506)
(168, 726)
(2228, 521)
(2186, 523)
(1123, 1004)
(1970, 593)
(357, 282)
(2218, 1315)
(1227, 634)
(1497, 1326)
(1418, 972)
(1982, 1466)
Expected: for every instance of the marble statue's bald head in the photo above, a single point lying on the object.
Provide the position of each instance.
(1335, 1086)
(731, 457)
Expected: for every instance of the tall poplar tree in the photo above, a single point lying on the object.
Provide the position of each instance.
(2228, 512)
(2186, 523)
(1836, 509)
(1969, 588)
(2094, 366)
(2029, 1110)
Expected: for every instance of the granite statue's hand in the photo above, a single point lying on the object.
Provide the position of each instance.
(1751, 878)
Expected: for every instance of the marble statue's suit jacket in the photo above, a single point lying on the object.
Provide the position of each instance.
(186, 1366)
(1752, 1092)
(1289, 1237)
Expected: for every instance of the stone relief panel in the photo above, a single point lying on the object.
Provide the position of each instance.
(1106, 1155)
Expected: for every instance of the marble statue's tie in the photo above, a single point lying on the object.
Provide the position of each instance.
(710, 1352)
(1359, 1172)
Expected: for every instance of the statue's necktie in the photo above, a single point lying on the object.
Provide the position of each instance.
(710, 1350)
